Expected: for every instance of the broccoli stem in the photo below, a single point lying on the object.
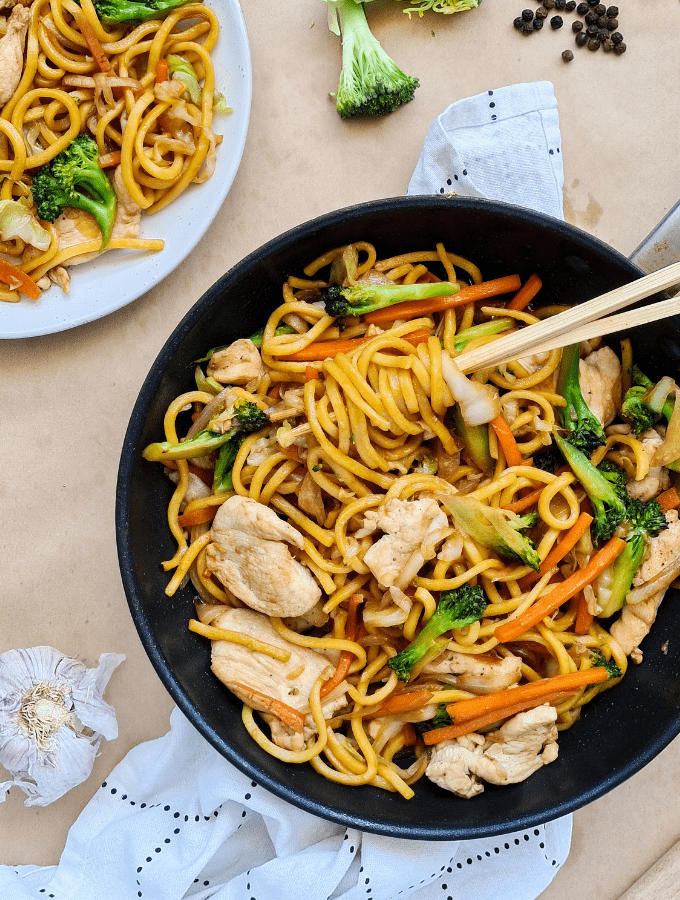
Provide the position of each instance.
(475, 439)
(484, 329)
(200, 444)
(584, 430)
(363, 298)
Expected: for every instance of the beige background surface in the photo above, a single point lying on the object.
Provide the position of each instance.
(65, 399)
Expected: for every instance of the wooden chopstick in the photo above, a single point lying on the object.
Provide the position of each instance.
(564, 325)
(601, 327)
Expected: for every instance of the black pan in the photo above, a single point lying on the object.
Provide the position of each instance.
(618, 733)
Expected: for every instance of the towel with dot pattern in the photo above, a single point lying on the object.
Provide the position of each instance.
(503, 144)
(176, 821)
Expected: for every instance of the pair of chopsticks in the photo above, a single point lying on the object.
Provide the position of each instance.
(581, 323)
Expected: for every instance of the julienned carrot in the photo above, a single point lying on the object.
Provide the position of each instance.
(562, 592)
(566, 543)
(412, 309)
(329, 349)
(584, 618)
(197, 516)
(669, 499)
(18, 280)
(289, 716)
(93, 43)
(526, 501)
(474, 707)
(161, 71)
(450, 732)
(311, 374)
(526, 293)
(506, 439)
(409, 735)
(351, 628)
(108, 160)
(404, 702)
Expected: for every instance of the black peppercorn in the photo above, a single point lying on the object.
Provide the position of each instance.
(594, 44)
(527, 28)
(518, 22)
(570, 5)
(577, 25)
(612, 24)
(549, 4)
(581, 39)
(556, 22)
(612, 12)
(600, 9)
(560, 4)
(591, 17)
(527, 15)
(617, 37)
(603, 35)
(537, 24)
(567, 55)
(608, 45)
(582, 9)
(593, 2)
(620, 48)
(602, 21)
(541, 13)
(592, 30)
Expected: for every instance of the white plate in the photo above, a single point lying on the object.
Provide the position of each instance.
(120, 276)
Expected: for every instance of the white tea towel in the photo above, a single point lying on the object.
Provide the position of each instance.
(176, 820)
(503, 144)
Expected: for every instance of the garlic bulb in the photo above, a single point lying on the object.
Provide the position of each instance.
(52, 718)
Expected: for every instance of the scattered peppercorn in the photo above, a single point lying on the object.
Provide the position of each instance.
(581, 39)
(619, 48)
(570, 5)
(541, 13)
(613, 12)
(592, 30)
(560, 4)
(527, 15)
(556, 22)
(602, 21)
(527, 28)
(567, 55)
(582, 9)
(594, 44)
(518, 22)
(612, 24)
(537, 24)
(608, 45)
(603, 35)
(617, 37)
(600, 9)
(577, 25)
(593, 2)
(549, 4)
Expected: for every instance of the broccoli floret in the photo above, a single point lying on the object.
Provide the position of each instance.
(636, 411)
(548, 460)
(112, 12)
(494, 528)
(599, 659)
(659, 402)
(360, 299)
(440, 720)
(246, 418)
(583, 429)
(602, 487)
(74, 178)
(456, 609)
(644, 520)
(371, 83)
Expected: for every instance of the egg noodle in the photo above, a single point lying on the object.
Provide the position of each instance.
(366, 429)
(112, 82)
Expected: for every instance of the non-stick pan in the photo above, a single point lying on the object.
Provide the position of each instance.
(617, 734)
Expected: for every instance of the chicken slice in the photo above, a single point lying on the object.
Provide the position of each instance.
(658, 477)
(458, 766)
(524, 743)
(663, 550)
(12, 52)
(600, 379)
(412, 530)
(483, 674)
(260, 680)
(249, 556)
(238, 363)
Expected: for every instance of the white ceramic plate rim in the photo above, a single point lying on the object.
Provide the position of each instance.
(120, 276)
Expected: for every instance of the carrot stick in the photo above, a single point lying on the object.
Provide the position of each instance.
(18, 280)
(108, 160)
(93, 43)
(346, 657)
(161, 71)
(289, 716)
(525, 502)
(412, 309)
(566, 543)
(584, 618)
(450, 732)
(562, 592)
(669, 499)
(506, 439)
(196, 516)
(404, 702)
(462, 710)
(526, 293)
(311, 374)
(409, 733)
(329, 349)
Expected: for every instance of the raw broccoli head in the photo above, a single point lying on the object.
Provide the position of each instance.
(456, 609)
(636, 411)
(360, 299)
(113, 12)
(75, 179)
(583, 429)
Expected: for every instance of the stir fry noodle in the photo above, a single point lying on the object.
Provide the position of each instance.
(402, 569)
(106, 111)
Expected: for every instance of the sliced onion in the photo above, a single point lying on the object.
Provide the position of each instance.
(669, 450)
(478, 403)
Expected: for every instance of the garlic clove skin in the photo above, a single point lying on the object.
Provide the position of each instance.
(52, 719)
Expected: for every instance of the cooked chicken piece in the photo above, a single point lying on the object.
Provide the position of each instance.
(483, 674)
(524, 743)
(413, 529)
(249, 556)
(533, 363)
(313, 618)
(459, 765)
(662, 561)
(10, 4)
(310, 499)
(600, 379)
(260, 680)
(657, 479)
(238, 363)
(12, 52)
